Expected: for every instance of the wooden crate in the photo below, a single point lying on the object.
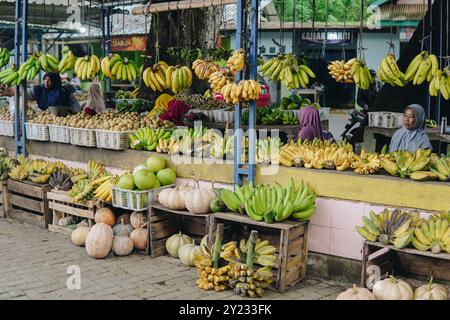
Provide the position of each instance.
(61, 206)
(4, 203)
(164, 222)
(28, 202)
(289, 237)
(407, 262)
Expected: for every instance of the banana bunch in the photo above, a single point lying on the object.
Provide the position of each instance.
(4, 57)
(178, 78)
(82, 190)
(41, 167)
(249, 283)
(87, 67)
(60, 180)
(95, 170)
(245, 90)
(423, 67)
(147, 138)
(48, 62)
(440, 166)
(204, 68)
(361, 74)
(287, 69)
(272, 203)
(341, 70)
(30, 69)
(68, 60)
(219, 79)
(212, 278)
(39, 178)
(10, 76)
(237, 61)
(104, 66)
(103, 188)
(264, 253)
(366, 163)
(123, 68)
(155, 77)
(20, 172)
(390, 227)
(433, 234)
(161, 105)
(440, 83)
(389, 72)
(292, 155)
(170, 146)
(405, 163)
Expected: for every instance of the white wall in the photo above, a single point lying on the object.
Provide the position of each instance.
(377, 47)
(266, 40)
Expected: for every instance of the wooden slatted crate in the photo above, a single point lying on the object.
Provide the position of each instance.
(4, 199)
(289, 237)
(61, 206)
(381, 260)
(28, 202)
(164, 222)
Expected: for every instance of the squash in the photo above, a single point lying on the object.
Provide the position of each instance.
(356, 293)
(106, 216)
(392, 289)
(79, 235)
(122, 244)
(431, 291)
(198, 200)
(128, 227)
(187, 253)
(139, 237)
(64, 222)
(173, 198)
(99, 240)
(137, 219)
(174, 243)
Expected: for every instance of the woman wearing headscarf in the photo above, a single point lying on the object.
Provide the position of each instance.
(175, 112)
(95, 103)
(53, 94)
(412, 135)
(310, 127)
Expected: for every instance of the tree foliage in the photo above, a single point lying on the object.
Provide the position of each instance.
(338, 10)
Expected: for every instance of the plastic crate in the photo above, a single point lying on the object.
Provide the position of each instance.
(37, 131)
(374, 119)
(390, 120)
(116, 140)
(59, 133)
(83, 137)
(7, 128)
(135, 200)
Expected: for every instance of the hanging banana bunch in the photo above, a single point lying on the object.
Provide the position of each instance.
(204, 68)
(123, 68)
(4, 57)
(87, 67)
(68, 60)
(423, 67)
(245, 90)
(10, 76)
(341, 70)
(361, 74)
(49, 63)
(389, 72)
(155, 77)
(30, 68)
(178, 78)
(441, 83)
(219, 79)
(237, 60)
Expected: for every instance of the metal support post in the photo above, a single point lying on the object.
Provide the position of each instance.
(17, 91)
(24, 83)
(108, 41)
(441, 38)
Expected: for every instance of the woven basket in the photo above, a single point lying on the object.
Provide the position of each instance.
(37, 131)
(7, 128)
(116, 140)
(83, 137)
(135, 200)
(59, 133)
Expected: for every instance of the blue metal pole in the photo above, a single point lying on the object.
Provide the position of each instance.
(441, 38)
(24, 83)
(17, 91)
(253, 76)
(108, 41)
(238, 112)
(431, 50)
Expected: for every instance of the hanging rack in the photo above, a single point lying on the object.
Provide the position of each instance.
(344, 45)
(391, 41)
(324, 45)
(360, 46)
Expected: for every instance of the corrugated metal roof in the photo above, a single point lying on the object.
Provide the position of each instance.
(402, 12)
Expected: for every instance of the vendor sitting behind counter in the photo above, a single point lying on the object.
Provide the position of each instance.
(53, 94)
(412, 135)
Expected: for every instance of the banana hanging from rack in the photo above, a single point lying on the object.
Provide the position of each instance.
(389, 72)
(68, 60)
(48, 62)
(219, 79)
(30, 68)
(10, 76)
(204, 68)
(245, 90)
(87, 67)
(422, 68)
(341, 70)
(237, 60)
(361, 74)
(440, 83)
(178, 78)
(123, 68)
(4, 57)
(155, 77)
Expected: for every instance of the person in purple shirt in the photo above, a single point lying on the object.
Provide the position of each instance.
(310, 127)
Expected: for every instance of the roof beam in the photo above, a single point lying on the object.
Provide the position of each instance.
(179, 5)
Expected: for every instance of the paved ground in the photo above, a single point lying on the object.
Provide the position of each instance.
(34, 263)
